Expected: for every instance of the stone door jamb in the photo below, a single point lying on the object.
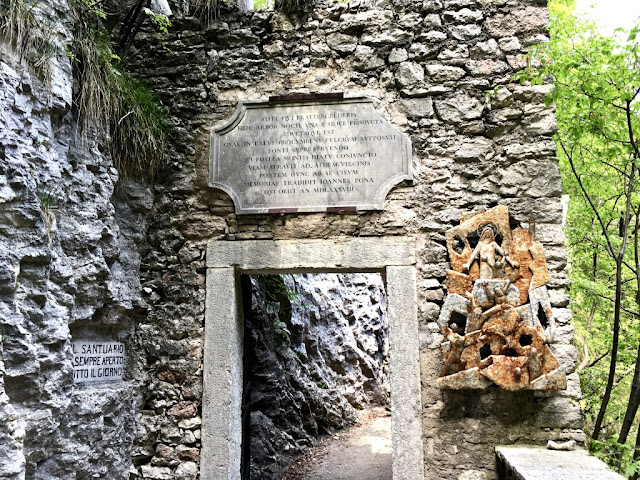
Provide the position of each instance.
(394, 258)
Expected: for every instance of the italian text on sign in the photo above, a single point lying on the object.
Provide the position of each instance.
(95, 361)
(308, 156)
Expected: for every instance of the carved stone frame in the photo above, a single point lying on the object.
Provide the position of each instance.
(394, 258)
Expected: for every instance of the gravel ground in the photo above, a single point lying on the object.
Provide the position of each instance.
(362, 452)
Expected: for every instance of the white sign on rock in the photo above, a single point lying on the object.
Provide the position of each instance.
(95, 361)
(308, 156)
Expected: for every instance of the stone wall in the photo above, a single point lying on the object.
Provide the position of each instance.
(69, 259)
(429, 64)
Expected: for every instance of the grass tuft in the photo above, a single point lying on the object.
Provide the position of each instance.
(29, 33)
(110, 96)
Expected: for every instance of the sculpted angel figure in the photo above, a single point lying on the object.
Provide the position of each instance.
(486, 252)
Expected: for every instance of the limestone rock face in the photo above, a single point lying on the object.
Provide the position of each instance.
(319, 345)
(69, 254)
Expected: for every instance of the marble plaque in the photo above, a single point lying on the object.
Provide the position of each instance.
(95, 361)
(308, 156)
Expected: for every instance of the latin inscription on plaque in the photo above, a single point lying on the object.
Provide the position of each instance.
(308, 156)
(95, 361)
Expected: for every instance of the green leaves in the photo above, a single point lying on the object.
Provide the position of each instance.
(597, 106)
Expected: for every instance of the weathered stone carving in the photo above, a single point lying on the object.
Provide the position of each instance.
(497, 318)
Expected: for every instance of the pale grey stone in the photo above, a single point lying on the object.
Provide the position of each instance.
(190, 423)
(410, 20)
(417, 107)
(529, 462)
(387, 37)
(398, 55)
(432, 20)
(473, 475)
(444, 73)
(476, 149)
(517, 22)
(562, 315)
(486, 49)
(503, 115)
(430, 283)
(432, 36)
(537, 108)
(387, 79)
(566, 355)
(541, 124)
(573, 386)
(367, 18)
(365, 59)
(156, 473)
(459, 51)
(342, 43)
(509, 44)
(536, 93)
(456, 4)
(530, 150)
(409, 73)
(420, 51)
(431, 6)
(559, 299)
(502, 98)
(319, 48)
(563, 334)
(186, 471)
(459, 108)
(465, 32)
(464, 15)
(482, 68)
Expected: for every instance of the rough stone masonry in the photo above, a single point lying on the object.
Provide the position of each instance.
(127, 264)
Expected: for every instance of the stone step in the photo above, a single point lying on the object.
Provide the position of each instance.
(539, 463)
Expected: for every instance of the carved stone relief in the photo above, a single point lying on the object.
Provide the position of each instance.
(497, 318)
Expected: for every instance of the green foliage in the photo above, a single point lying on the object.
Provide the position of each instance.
(25, 25)
(48, 198)
(279, 296)
(596, 94)
(260, 4)
(277, 291)
(321, 384)
(112, 97)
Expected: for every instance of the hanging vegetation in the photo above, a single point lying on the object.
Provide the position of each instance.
(112, 97)
(30, 37)
(107, 94)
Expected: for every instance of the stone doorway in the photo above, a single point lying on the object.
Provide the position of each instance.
(393, 258)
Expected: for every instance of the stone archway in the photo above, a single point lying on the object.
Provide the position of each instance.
(394, 258)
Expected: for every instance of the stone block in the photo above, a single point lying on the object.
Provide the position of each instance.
(409, 73)
(459, 108)
(365, 59)
(416, 108)
(529, 19)
(342, 43)
(539, 463)
(443, 73)
(398, 55)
